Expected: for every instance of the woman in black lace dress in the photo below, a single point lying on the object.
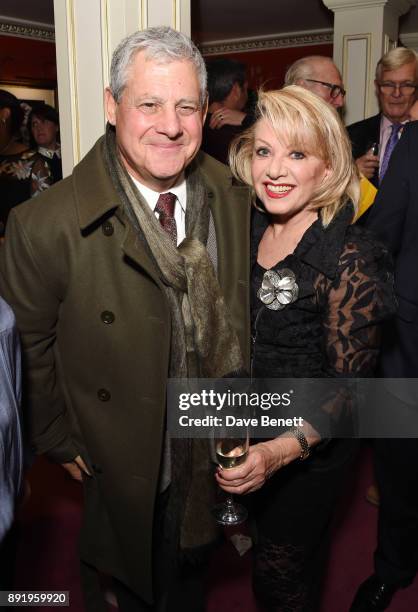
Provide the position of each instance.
(320, 289)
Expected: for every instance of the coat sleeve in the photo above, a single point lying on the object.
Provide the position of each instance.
(388, 213)
(35, 302)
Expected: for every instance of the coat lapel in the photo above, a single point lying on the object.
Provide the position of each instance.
(97, 201)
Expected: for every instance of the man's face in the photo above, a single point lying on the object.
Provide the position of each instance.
(395, 102)
(158, 120)
(328, 75)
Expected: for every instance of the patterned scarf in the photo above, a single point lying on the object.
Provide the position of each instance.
(203, 341)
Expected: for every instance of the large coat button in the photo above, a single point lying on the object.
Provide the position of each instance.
(107, 317)
(103, 395)
(107, 228)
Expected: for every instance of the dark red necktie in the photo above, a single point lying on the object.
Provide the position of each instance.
(165, 209)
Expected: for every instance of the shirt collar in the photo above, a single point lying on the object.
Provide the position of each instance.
(50, 152)
(387, 123)
(151, 196)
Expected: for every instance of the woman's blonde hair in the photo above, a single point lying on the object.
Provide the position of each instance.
(302, 120)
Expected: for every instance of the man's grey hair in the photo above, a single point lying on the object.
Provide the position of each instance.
(396, 58)
(303, 68)
(162, 44)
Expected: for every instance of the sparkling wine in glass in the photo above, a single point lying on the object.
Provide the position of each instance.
(230, 452)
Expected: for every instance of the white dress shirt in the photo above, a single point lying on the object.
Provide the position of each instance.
(180, 191)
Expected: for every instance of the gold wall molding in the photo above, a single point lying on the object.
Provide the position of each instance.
(280, 41)
(26, 29)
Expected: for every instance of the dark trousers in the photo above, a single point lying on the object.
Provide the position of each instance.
(182, 592)
(396, 467)
(177, 585)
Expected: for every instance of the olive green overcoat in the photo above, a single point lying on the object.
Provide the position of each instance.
(95, 328)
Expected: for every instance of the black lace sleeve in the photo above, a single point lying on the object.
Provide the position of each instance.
(356, 302)
(359, 299)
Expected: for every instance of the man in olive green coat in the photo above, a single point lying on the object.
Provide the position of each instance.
(114, 292)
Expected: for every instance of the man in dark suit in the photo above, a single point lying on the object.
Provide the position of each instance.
(394, 218)
(396, 86)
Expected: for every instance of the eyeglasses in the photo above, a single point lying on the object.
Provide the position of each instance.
(334, 90)
(390, 88)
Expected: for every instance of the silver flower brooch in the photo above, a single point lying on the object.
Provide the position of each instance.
(278, 289)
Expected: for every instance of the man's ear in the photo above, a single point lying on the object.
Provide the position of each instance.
(110, 107)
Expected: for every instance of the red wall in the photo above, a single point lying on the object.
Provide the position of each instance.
(27, 61)
(268, 67)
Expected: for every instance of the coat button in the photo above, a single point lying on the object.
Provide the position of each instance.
(107, 317)
(210, 194)
(107, 228)
(103, 395)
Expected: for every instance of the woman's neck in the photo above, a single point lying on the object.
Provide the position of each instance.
(282, 237)
(295, 225)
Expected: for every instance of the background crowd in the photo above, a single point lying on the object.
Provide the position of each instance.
(168, 246)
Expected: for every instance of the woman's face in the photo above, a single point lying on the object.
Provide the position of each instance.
(284, 178)
(44, 132)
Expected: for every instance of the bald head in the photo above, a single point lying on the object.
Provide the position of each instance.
(319, 74)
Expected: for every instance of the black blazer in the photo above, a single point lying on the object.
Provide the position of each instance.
(363, 135)
(394, 218)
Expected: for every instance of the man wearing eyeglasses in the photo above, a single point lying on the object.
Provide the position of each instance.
(375, 138)
(319, 74)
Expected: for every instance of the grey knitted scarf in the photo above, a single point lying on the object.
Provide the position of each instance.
(203, 342)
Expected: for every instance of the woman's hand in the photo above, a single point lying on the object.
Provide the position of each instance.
(263, 460)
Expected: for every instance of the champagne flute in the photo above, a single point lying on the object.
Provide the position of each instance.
(230, 452)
